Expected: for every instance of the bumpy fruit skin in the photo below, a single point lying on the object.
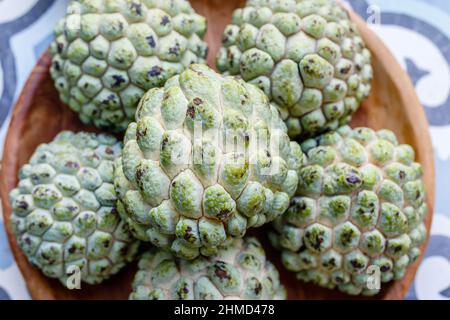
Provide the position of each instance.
(64, 214)
(240, 271)
(360, 208)
(306, 55)
(208, 158)
(107, 54)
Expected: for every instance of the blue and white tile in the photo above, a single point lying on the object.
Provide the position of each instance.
(22, 43)
(433, 277)
(12, 285)
(11, 10)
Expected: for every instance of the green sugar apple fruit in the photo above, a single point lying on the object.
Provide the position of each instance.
(108, 53)
(240, 271)
(63, 211)
(306, 55)
(358, 218)
(208, 157)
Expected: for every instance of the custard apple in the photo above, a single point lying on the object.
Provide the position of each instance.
(240, 271)
(64, 216)
(306, 55)
(359, 210)
(108, 53)
(207, 158)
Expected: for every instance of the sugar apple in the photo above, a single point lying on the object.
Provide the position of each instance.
(360, 209)
(306, 55)
(240, 271)
(63, 210)
(108, 53)
(207, 158)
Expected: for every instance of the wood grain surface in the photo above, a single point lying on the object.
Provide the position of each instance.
(39, 115)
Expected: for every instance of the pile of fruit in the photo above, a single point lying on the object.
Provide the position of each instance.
(199, 157)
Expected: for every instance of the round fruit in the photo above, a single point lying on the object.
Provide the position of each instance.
(107, 54)
(359, 212)
(240, 271)
(64, 216)
(306, 55)
(207, 158)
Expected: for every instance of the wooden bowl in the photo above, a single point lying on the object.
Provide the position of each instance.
(39, 115)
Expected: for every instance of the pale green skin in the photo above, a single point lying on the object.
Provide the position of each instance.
(306, 55)
(239, 272)
(107, 54)
(360, 202)
(63, 210)
(188, 198)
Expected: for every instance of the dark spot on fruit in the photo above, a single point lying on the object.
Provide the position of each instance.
(139, 174)
(258, 288)
(298, 206)
(220, 270)
(345, 70)
(22, 205)
(118, 80)
(56, 66)
(48, 258)
(384, 268)
(223, 214)
(175, 50)
(151, 41)
(205, 52)
(197, 101)
(110, 98)
(339, 280)
(123, 251)
(190, 112)
(188, 236)
(60, 47)
(402, 175)
(347, 236)
(109, 151)
(155, 71)
(316, 240)
(141, 133)
(356, 264)
(165, 20)
(353, 179)
(137, 7)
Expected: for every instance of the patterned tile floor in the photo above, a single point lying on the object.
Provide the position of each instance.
(417, 31)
